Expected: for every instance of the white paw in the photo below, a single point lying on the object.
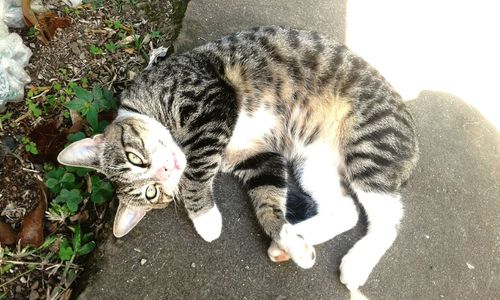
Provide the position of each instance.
(209, 224)
(354, 270)
(276, 254)
(301, 252)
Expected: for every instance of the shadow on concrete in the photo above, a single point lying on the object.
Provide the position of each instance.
(447, 247)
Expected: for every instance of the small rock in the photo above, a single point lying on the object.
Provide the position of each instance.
(23, 280)
(131, 75)
(74, 48)
(137, 250)
(247, 267)
(34, 295)
(471, 267)
(143, 261)
(35, 285)
(193, 265)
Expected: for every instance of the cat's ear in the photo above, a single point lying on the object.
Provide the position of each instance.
(83, 153)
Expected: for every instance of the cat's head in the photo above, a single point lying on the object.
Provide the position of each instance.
(140, 157)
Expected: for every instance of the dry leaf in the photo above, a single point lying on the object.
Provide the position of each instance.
(31, 232)
(80, 217)
(50, 22)
(49, 141)
(78, 122)
(7, 235)
(129, 50)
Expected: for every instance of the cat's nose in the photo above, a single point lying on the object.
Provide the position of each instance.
(162, 173)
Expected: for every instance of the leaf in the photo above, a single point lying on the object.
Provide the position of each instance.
(71, 198)
(56, 173)
(91, 116)
(52, 184)
(65, 253)
(86, 249)
(108, 96)
(68, 178)
(49, 140)
(7, 235)
(77, 238)
(82, 93)
(73, 137)
(97, 92)
(100, 128)
(77, 104)
(31, 232)
(79, 171)
(48, 242)
(87, 237)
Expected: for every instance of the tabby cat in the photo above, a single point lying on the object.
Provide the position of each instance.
(252, 104)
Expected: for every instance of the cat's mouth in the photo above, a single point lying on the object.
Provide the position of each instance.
(127, 217)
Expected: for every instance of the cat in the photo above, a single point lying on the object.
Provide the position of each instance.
(252, 104)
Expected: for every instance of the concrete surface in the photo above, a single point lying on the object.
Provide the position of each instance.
(449, 243)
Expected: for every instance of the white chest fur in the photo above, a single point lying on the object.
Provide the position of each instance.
(249, 130)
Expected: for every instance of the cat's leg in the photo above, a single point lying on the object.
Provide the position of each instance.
(196, 191)
(265, 176)
(318, 175)
(384, 212)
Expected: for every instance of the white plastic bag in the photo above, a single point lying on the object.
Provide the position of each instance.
(14, 56)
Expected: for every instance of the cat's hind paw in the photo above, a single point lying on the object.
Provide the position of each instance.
(209, 224)
(354, 271)
(300, 251)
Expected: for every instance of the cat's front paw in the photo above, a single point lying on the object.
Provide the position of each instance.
(301, 252)
(209, 224)
(276, 254)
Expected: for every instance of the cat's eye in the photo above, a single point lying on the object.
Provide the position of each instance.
(134, 159)
(151, 192)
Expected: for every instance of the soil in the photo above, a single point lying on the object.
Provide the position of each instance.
(68, 58)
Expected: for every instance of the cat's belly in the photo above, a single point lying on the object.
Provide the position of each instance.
(248, 135)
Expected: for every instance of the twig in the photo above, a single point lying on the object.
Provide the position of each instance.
(15, 278)
(50, 265)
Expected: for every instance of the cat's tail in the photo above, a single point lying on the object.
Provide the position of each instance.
(299, 204)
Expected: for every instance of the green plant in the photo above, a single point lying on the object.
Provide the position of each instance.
(117, 25)
(101, 190)
(73, 137)
(29, 146)
(72, 198)
(32, 32)
(59, 178)
(33, 107)
(95, 50)
(58, 213)
(80, 245)
(5, 117)
(89, 104)
(155, 34)
(111, 47)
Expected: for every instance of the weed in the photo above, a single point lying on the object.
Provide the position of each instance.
(111, 47)
(29, 146)
(32, 32)
(89, 104)
(155, 34)
(96, 50)
(117, 25)
(33, 107)
(5, 117)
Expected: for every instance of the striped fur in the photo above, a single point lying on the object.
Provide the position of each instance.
(253, 103)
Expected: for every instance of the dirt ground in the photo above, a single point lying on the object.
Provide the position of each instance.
(106, 43)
